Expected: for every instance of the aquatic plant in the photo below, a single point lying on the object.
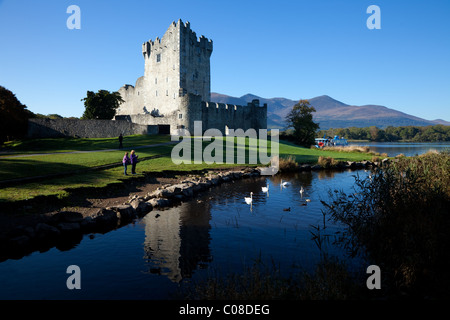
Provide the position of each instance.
(287, 164)
(326, 162)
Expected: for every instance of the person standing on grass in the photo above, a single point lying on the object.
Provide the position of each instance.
(126, 161)
(134, 160)
(120, 141)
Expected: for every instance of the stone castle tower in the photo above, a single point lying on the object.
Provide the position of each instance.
(175, 89)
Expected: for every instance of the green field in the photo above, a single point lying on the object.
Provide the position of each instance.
(76, 170)
(51, 145)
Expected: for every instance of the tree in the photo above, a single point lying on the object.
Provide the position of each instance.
(13, 116)
(101, 105)
(301, 120)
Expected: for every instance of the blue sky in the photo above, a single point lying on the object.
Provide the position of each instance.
(292, 49)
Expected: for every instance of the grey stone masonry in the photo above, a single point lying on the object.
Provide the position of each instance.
(175, 89)
(53, 128)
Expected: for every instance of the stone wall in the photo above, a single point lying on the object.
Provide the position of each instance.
(212, 115)
(220, 115)
(54, 128)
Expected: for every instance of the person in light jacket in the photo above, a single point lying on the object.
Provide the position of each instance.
(134, 160)
(126, 161)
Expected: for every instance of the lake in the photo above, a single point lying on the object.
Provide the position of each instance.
(407, 148)
(215, 233)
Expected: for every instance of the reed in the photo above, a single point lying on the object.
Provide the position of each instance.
(398, 217)
(331, 280)
(287, 164)
(326, 162)
(362, 149)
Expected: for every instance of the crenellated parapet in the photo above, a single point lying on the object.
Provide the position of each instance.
(221, 115)
(225, 106)
(185, 31)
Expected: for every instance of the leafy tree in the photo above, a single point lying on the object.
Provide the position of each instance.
(300, 118)
(374, 132)
(53, 116)
(13, 116)
(101, 105)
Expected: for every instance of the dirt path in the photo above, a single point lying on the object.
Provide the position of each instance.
(88, 203)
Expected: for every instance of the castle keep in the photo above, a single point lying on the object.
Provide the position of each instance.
(175, 88)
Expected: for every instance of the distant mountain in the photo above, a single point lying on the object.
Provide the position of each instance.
(331, 113)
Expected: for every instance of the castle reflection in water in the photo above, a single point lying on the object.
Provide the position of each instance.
(177, 240)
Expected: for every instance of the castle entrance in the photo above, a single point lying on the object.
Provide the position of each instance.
(163, 128)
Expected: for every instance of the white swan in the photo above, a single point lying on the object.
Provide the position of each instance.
(265, 189)
(302, 191)
(249, 200)
(285, 183)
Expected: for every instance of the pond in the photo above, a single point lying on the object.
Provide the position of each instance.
(215, 233)
(408, 149)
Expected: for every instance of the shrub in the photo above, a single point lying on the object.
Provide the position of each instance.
(327, 162)
(399, 218)
(288, 164)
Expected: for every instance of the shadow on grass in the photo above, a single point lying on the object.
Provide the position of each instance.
(13, 169)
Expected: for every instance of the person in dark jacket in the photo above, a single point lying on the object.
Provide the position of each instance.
(120, 141)
(134, 160)
(126, 161)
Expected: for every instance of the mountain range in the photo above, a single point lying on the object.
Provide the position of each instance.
(331, 113)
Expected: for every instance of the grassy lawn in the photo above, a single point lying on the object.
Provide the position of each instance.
(306, 155)
(29, 166)
(50, 145)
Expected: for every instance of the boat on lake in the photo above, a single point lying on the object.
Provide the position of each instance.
(331, 142)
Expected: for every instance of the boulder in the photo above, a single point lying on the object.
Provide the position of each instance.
(19, 242)
(188, 192)
(341, 165)
(359, 165)
(305, 167)
(160, 202)
(162, 193)
(366, 163)
(214, 181)
(88, 224)
(106, 217)
(124, 212)
(45, 231)
(175, 189)
(237, 174)
(69, 227)
(68, 216)
(141, 207)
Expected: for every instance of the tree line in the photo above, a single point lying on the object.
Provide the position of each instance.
(302, 130)
(432, 133)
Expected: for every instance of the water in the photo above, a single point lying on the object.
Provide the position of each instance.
(216, 232)
(407, 148)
